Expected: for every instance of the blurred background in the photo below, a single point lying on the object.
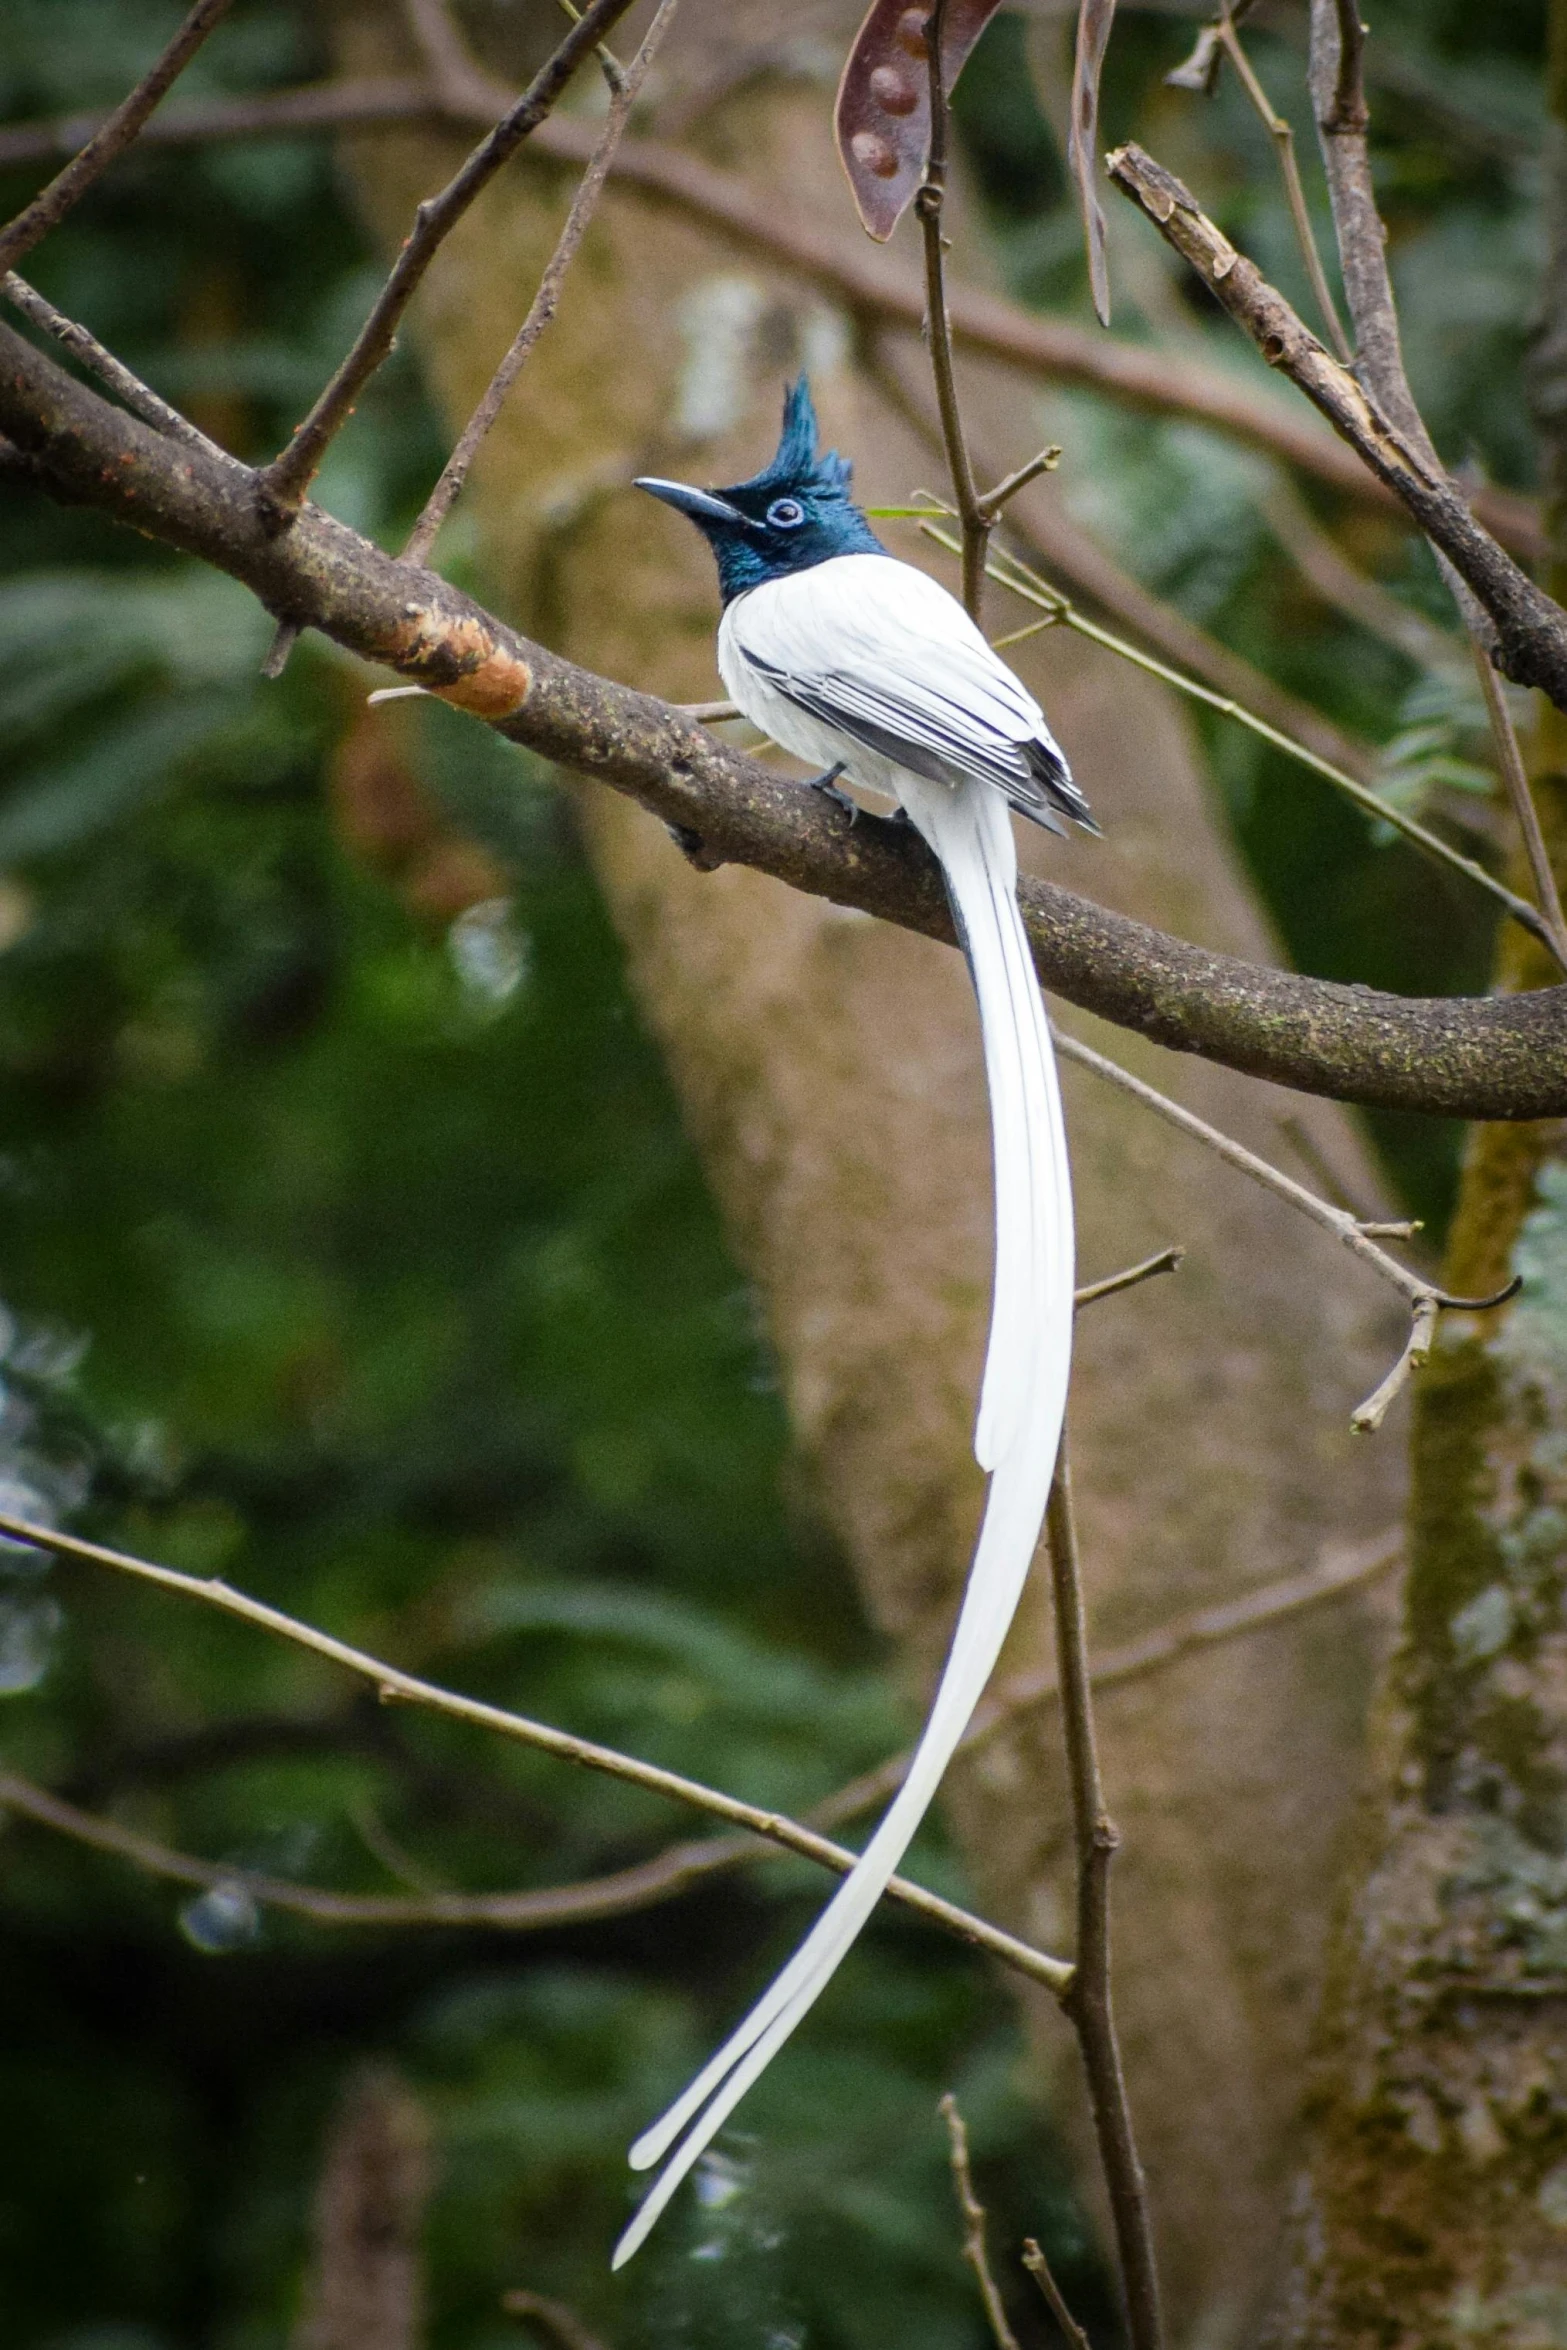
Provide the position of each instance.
(361, 1241)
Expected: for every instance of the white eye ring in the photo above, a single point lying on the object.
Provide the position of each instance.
(786, 513)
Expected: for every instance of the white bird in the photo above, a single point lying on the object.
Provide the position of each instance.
(858, 662)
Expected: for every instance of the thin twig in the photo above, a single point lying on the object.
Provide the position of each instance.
(1069, 549)
(1088, 2004)
(542, 309)
(1283, 137)
(281, 486)
(609, 64)
(1337, 76)
(1166, 1261)
(1516, 778)
(1009, 571)
(680, 1866)
(557, 2319)
(975, 523)
(1336, 1573)
(1530, 629)
(1038, 2268)
(1045, 462)
(973, 2212)
(394, 1686)
(140, 398)
(1424, 1299)
(50, 206)
(1161, 382)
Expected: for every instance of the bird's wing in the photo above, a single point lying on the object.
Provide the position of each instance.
(874, 648)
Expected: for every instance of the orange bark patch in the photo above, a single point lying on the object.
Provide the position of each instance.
(460, 661)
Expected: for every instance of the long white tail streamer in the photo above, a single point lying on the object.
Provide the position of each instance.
(1022, 1405)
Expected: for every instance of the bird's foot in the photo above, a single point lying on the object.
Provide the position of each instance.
(828, 785)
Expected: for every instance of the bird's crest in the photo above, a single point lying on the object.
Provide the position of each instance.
(797, 463)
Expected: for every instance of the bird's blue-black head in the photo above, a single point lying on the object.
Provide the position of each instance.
(793, 515)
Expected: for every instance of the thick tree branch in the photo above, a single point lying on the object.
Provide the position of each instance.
(870, 284)
(1481, 1058)
(108, 138)
(1531, 630)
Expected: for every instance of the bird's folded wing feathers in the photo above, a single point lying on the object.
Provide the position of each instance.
(874, 648)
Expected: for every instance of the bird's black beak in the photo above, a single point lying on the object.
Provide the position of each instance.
(701, 505)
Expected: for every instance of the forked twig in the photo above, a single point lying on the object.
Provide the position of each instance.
(542, 309)
(281, 486)
(1424, 1299)
(1009, 571)
(973, 2212)
(113, 135)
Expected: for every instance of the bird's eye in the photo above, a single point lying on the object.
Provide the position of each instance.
(786, 513)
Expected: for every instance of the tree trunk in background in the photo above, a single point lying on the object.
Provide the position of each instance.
(831, 1076)
(1434, 2204)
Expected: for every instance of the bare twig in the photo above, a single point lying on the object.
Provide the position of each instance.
(1051, 536)
(542, 309)
(1088, 2004)
(1283, 137)
(609, 64)
(1424, 1299)
(1531, 630)
(1334, 1574)
(1339, 98)
(113, 135)
(1038, 2268)
(1162, 382)
(281, 486)
(1515, 777)
(140, 398)
(1009, 571)
(1488, 1057)
(394, 1686)
(1166, 1261)
(973, 520)
(1094, 19)
(973, 2212)
(555, 2318)
(680, 1866)
(1006, 489)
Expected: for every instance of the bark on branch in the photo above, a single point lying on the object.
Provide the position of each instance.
(1531, 630)
(1474, 1058)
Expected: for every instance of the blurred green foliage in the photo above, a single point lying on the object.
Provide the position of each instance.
(352, 1249)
